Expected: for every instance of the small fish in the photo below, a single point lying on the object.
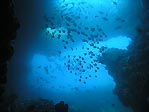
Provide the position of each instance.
(118, 27)
(84, 82)
(85, 54)
(86, 28)
(101, 12)
(115, 3)
(85, 77)
(84, 61)
(105, 18)
(118, 19)
(59, 52)
(76, 88)
(97, 47)
(84, 40)
(80, 80)
(79, 27)
(78, 32)
(46, 69)
(80, 63)
(74, 24)
(90, 52)
(103, 33)
(39, 66)
(67, 24)
(96, 16)
(113, 105)
(83, 70)
(59, 36)
(66, 42)
(99, 29)
(83, 33)
(94, 46)
(72, 40)
(71, 48)
(80, 76)
(122, 20)
(65, 47)
(63, 31)
(59, 31)
(91, 44)
(95, 64)
(92, 29)
(89, 38)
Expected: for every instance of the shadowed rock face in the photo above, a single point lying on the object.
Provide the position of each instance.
(130, 68)
(9, 25)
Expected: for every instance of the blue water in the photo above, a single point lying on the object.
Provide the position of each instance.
(38, 69)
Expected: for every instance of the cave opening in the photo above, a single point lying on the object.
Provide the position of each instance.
(60, 51)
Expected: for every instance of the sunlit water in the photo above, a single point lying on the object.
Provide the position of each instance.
(38, 70)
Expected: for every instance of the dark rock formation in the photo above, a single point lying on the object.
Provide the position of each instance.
(9, 25)
(61, 107)
(130, 69)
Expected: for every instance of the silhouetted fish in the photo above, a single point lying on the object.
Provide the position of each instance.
(118, 19)
(84, 40)
(92, 29)
(115, 3)
(83, 70)
(86, 28)
(59, 52)
(66, 42)
(101, 12)
(118, 27)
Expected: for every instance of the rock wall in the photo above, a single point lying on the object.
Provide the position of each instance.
(130, 69)
(9, 25)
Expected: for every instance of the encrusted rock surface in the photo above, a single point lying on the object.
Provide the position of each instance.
(130, 69)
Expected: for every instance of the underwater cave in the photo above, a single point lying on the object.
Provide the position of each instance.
(93, 55)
